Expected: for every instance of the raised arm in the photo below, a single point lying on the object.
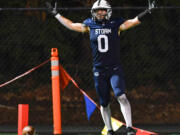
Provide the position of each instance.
(138, 19)
(129, 24)
(79, 27)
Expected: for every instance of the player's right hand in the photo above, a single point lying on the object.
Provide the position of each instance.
(52, 10)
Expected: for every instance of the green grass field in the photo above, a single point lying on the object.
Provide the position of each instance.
(67, 134)
(7, 134)
(10, 134)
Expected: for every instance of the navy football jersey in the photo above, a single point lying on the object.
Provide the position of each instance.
(104, 41)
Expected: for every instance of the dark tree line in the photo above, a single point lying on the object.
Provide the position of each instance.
(83, 3)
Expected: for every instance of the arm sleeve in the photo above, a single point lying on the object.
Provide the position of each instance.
(144, 15)
(86, 22)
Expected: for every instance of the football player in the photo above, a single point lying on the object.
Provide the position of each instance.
(104, 38)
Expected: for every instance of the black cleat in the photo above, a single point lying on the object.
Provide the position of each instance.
(130, 131)
(110, 132)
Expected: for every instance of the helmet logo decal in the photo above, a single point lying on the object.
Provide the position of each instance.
(99, 2)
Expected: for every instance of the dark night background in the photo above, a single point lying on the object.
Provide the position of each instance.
(149, 57)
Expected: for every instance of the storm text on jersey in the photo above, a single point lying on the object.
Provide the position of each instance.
(102, 31)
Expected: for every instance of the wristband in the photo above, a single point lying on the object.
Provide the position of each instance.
(62, 21)
(57, 16)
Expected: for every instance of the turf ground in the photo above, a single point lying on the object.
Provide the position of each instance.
(84, 130)
(82, 134)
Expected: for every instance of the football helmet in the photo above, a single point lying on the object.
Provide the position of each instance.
(28, 130)
(101, 4)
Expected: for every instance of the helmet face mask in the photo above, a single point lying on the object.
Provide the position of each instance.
(101, 11)
(101, 14)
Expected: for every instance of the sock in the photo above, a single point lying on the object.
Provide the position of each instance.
(125, 109)
(106, 115)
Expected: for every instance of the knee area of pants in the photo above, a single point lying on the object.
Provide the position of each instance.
(122, 99)
(104, 105)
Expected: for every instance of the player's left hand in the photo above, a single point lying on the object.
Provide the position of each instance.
(151, 5)
(144, 15)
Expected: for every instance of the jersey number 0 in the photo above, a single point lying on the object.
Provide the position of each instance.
(103, 47)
